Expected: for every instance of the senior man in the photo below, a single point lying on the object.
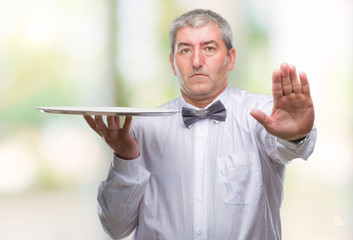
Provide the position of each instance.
(215, 170)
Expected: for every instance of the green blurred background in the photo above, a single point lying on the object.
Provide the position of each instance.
(115, 53)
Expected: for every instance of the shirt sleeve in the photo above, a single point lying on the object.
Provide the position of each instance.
(119, 196)
(282, 151)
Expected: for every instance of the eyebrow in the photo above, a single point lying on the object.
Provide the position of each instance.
(183, 44)
(210, 42)
(203, 43)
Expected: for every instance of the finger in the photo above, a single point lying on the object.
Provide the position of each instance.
(305, 84)
(296, 87)
(261, 117)
(111, 122)
(92, 123)
(100, 123)
(276, 84)
(127, 123)
(286, 82)
(117, 121)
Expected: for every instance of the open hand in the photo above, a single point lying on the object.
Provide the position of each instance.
(118, 138)
(292, 115)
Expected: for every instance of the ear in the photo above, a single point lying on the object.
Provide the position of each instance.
(232, 57)
(171, 60)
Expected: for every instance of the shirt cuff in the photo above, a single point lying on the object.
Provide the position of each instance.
(128, 168)
(302, 149)
(292, 144)
(300, 141)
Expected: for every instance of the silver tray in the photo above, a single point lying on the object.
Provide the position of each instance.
(109, 111)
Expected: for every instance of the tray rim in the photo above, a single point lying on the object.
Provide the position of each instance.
(108, 111)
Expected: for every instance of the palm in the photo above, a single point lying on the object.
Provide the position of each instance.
(118, 138)
(292, 115)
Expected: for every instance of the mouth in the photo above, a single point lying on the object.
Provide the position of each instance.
(198, 75)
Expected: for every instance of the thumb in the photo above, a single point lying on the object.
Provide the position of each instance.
(261, 117)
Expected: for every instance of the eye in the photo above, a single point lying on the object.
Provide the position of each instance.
(185, 51)
(209, 49)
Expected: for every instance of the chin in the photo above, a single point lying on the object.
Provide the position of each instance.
(199, 91)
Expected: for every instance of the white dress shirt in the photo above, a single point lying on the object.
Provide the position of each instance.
(214, 180)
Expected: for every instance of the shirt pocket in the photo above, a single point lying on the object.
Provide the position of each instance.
(239, 178)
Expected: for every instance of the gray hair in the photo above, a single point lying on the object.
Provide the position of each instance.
(199, 18)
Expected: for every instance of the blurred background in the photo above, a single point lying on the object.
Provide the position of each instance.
(115, 53)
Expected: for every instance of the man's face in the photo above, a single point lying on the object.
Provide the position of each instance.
(201, 62)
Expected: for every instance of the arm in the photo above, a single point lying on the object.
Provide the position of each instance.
(282, 151)
(120, 194)
(289, 131)
(119, 197)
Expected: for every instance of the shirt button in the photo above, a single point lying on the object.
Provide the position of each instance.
(199, 231)
(200, 198)
(200, 166)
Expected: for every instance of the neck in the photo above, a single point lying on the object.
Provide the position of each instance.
(201, 102)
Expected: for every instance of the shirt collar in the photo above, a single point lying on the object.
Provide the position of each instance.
(223, 97)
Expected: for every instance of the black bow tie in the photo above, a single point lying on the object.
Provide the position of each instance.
(216, 111)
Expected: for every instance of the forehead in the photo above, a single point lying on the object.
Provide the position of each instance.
(194, 35)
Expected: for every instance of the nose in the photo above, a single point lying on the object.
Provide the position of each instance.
(198, 59)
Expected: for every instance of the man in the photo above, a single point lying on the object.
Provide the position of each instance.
(216, 169)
